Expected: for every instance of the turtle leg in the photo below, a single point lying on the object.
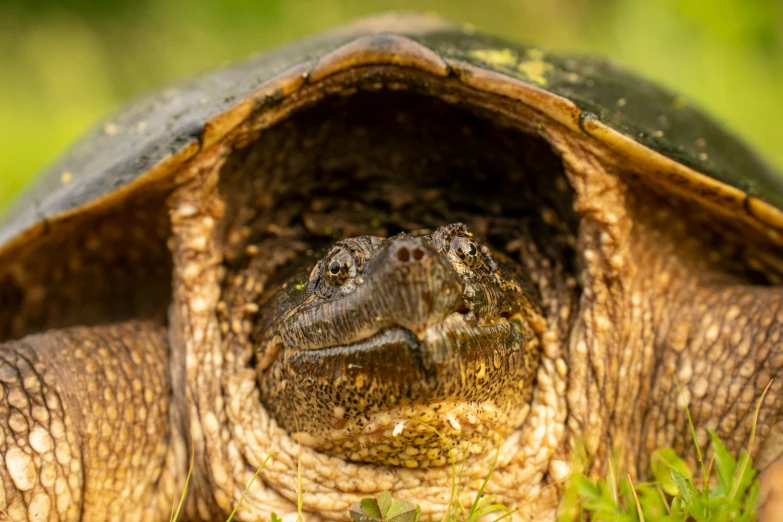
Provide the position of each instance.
(84, 419)
(723, 345)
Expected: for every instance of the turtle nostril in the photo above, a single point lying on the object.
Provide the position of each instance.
(418, 254)
(403, 254)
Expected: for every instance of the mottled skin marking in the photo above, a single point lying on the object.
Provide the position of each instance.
(394, 350)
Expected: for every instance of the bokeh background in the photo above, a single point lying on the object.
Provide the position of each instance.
(64, 64)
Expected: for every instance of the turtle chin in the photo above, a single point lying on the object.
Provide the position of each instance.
(401, 398)
(415, 435)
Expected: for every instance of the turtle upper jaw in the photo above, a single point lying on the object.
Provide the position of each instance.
(428, 332)
(427, 358)
(406, 283)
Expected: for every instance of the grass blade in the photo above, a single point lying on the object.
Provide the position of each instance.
(693, 430)
(636, 499)
(745, 462)
(248, 486)
(175, 515)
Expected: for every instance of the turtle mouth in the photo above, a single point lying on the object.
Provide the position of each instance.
(397, 354)
(457, 323)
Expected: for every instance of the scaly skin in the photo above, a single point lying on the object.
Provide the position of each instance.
(634, 286)
(666, 297)
(101, 397)
(86, 422)
(660, 303)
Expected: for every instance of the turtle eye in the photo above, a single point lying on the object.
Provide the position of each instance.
(338, 268)
(467, 250)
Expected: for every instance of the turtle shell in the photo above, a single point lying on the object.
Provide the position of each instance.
(676, 145)
(120, 228)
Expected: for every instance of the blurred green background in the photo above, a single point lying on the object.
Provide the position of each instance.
(66, 63)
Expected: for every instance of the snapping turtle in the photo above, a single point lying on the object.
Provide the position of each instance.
(376, 251)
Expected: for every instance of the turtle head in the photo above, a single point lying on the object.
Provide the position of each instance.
(396, 349)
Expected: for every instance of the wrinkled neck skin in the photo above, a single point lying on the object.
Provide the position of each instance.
(218, 301)
(670, 295)
(672, 300)
(455, 401)
(627, 297)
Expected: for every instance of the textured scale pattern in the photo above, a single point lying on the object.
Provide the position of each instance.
(41, 472)
(97, 396)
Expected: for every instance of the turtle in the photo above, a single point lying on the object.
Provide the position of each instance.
(375, 258)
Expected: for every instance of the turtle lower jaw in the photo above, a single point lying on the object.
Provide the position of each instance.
(473, 382)
(422, 401)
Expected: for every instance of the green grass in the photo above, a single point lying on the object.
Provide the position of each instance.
(383, 508)
(728, 491)
(725, 490)
(674, 495)
(175, 512)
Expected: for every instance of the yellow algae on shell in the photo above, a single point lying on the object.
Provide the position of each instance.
(533, 69)
(498, 57)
